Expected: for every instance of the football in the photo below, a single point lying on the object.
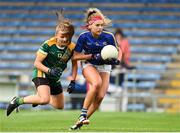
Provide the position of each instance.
(108, 52)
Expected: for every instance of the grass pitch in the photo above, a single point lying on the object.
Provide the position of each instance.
(60, 121)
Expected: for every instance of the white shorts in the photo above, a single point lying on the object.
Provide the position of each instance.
(100, 68)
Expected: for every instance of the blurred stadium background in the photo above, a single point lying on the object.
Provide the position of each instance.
(152, 27)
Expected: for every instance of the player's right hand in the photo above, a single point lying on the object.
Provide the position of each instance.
(96, 57)
(54, 72)
(112, 61)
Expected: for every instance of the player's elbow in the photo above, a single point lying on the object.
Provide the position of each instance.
(74, 58)
(35, 63)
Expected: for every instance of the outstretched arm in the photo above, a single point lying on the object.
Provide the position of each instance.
(74, 69)
(72, 78)
(81, 56)
(119, 54)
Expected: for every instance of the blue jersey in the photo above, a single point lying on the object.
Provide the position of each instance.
(87, 44)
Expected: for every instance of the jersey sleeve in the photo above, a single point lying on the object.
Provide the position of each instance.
(79, 45)
(113, 41)
(43, 50)
(71, 47)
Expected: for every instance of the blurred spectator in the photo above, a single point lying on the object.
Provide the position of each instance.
(122, 42)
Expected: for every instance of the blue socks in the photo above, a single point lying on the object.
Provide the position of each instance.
(83, 112)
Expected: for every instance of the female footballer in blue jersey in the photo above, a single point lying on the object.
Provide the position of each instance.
(51, 60)
(95, 70)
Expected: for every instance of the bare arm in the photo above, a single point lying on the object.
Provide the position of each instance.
(81, 56)
(74, 69)
(120, 54)
(38, 63)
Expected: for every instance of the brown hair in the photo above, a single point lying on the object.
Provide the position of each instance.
(119, 31)
(64, 25)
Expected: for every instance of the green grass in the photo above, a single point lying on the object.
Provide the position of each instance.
(60, 121)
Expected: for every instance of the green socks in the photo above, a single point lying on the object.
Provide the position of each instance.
(20, 101)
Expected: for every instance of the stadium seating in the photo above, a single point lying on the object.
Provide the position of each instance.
(151, 26)
(154, 50)
(19, 48)
(140, 85)
(165, 59)
(17, 57)
(19, 66)
(142, 76)
(136, 107)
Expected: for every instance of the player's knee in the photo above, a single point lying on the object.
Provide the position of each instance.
(96, 84)
(45, 100)
(93, 90)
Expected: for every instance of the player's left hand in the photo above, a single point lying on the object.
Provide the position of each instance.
(54, 72)
(112, 61)
(71, 86)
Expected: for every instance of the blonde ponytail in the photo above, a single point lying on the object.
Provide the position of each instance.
(93, 12)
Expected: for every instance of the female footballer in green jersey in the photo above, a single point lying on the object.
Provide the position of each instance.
(51, 60)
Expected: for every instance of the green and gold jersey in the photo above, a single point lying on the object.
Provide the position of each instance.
(55, 57)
